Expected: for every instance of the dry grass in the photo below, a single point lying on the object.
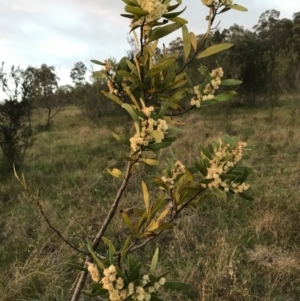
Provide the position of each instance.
(235, 250)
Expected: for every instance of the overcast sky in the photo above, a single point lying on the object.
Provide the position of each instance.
(63, 32)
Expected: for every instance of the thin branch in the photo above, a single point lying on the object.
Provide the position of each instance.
(101, 232)
(135, 247)
(212, 15)
(37, 203)
(171, 114)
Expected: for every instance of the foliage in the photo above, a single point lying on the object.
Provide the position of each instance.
(15, 124)
(78, 73)
(152, 89)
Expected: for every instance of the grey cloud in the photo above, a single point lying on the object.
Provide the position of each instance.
(60, 33)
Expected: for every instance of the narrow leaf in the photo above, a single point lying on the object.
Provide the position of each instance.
(126, 220)
(146, 197)
(214, 49)
(238, 7)
(154, 261)
(231, 82)
(177, 285)
(246, 196)
(113, 97)
(225, 96)
(125, 247)
(186, 41)
(77, 267)
(98, 62)
(115, 172)
(163, 31)
(193, 40)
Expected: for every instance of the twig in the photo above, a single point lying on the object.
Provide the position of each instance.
(37, 203)
(212, 15)
(135, 247)
(101, 232)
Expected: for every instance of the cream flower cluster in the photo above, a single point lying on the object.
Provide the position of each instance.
(111, 77)
(178, 170)
(226, 2)
(155, 9)
(210, 88)
(220, 165)
(216, 3)
(196, 100)
(143, 137)
(115, 285)
(93, 272)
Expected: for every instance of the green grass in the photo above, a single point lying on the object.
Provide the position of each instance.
(233, 250)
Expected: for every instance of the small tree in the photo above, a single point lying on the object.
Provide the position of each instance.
(15, 128)
(78, 72)
(152, 89)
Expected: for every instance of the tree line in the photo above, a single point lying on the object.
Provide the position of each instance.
(265, 58)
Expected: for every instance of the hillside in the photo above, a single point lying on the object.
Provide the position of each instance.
(239, 250)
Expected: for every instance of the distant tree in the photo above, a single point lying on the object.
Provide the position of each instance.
(78, 73)
(46, 85)
(15, 128)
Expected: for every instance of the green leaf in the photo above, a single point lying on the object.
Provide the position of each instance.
(77, 267)
(157, 146)
(238, 7)
(135, 10)
(159, 204)
(186, 41)
(156, 298)
(96, 259)
(193, 40)
(158, 135)
(100, 292)
(115, 172)
(129, 2)
(132, 67)
(132, 263)
(163, 227)
(98, 62)
(177, 285)
(218, 192)
(225, 9)
(246, 196)
(149, 161)
(173, 15)
(109, 243)
(231, 82)
(152, 279)
(121, 138)
(205, 152)
(125, 247)
(129, 16)
(163, 31)
(178, 20)
(245, 174)
(161, 66)
(154, 261)
(111, 252)
(130, 110)
(146, 197)
(160, 182)
(162, 111)
(200, 165)
(135, 273)
(113, 97)
(133, 78)
(126, 220)
(214, 49)
(225, 96)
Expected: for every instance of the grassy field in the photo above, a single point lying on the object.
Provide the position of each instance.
(229, 251)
